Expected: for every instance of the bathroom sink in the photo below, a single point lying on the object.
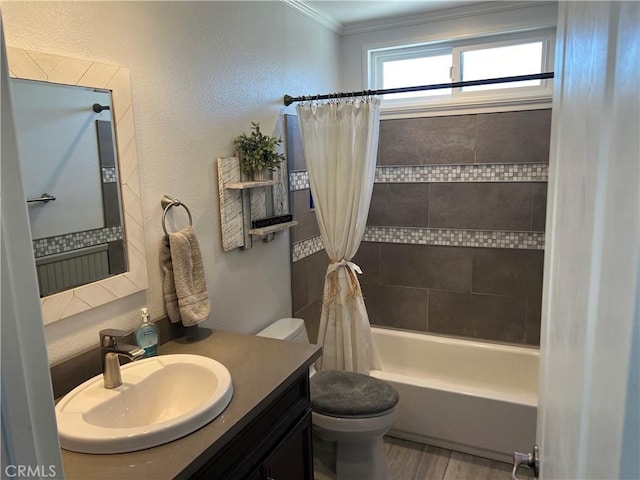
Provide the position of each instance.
(161, 399)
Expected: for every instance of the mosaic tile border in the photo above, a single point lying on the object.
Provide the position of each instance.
(435, 236)
(494, 172)
(512, 172)
(109, 175)
(298, 180)
(43, 247)
(456, 238)
(306, 248)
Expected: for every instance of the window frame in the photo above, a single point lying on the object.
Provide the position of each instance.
(480, 100)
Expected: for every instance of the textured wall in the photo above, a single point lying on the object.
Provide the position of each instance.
(200, 73)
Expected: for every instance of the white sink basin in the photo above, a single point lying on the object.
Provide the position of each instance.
(161, 399)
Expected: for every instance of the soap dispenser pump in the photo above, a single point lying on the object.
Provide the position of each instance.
(147, 335)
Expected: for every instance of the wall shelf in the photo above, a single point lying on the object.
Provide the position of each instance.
(272, 228)
(252, 184)
(242, 202)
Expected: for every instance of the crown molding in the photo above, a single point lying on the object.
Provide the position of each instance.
(440, 15)
(316, 15)
(409, 20)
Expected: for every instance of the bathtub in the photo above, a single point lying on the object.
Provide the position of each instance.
(470, 396)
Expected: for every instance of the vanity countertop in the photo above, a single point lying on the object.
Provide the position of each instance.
(261, 369)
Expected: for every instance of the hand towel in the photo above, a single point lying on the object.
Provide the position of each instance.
(186, 269)
(168, 283)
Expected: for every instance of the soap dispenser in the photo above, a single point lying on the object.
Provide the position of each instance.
(147, 335)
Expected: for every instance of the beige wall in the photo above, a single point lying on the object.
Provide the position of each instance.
(200, 73)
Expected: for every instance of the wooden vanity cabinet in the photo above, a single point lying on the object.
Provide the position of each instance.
(275, 445)
(292, 458)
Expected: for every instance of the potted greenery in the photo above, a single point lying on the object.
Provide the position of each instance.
(257, 153)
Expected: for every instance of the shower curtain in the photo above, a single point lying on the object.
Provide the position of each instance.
(340, 144)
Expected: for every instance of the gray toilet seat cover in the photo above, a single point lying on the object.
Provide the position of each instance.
(338, 393)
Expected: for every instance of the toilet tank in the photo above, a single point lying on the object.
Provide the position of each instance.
(290, 329)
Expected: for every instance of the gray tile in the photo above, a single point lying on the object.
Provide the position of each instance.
(426, 266)
(489, 317)
(107, 155)
(399, 205)
(294, 145)
(419, 141)
(316, 271)
(483, 206)
(311, 316)
(397, 307)
(415, 461)
(307, 223)
(117, 257)
(368, 259)
(307, 279)
(514, 137)
(539, 207)
(467, 467)
(299, 284)
(533, 323)
(504, 271)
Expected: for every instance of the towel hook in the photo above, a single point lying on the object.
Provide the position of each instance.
(167, 202)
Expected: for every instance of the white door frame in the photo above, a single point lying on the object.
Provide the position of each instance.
(29, 434)
(588, 423)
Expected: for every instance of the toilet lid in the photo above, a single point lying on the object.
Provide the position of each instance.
(338, 393)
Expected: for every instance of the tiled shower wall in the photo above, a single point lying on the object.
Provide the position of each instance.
(455, 234)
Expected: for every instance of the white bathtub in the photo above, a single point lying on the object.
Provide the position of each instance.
(474, 397)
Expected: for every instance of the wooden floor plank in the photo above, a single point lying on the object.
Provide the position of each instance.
(468, 467)
(415, 461)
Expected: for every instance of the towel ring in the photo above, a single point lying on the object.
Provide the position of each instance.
(167, 202)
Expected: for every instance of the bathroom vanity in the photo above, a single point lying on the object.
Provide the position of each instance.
(265, 431)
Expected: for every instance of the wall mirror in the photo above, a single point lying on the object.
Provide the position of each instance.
(76, 139)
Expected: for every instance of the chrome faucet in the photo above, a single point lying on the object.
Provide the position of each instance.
(110, 350)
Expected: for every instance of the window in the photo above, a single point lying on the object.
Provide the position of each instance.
(493, 61)
(498, 56)
(419, 67)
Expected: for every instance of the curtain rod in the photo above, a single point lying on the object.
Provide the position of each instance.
(288, 99)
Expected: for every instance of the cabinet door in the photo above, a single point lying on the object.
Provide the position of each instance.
(292, 458)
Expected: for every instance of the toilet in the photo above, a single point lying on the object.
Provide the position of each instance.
(351, 410)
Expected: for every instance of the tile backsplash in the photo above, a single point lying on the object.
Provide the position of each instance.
(455, 234)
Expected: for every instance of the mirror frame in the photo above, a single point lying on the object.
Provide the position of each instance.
(31, 65)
